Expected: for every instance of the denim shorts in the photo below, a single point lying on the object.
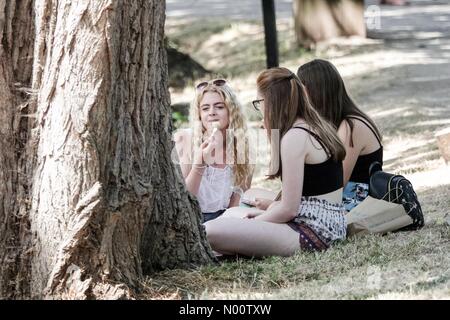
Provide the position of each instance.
(212, 215)
(354, 194)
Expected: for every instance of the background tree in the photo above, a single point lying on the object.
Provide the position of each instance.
(106, 203)
(319, 20)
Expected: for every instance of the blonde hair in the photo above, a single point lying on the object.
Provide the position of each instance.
(237, 128)
(285, 100)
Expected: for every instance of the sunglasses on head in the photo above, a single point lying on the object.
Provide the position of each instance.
(216, 82)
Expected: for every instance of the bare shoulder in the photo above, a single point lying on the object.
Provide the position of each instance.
(360, 128)
(294, 135)
(345, 125)
(294, 141)
(363, 136)
(344, 130)
(358, 125)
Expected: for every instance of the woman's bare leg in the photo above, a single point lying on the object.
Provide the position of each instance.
(251, 237)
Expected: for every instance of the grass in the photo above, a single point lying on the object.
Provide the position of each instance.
(403, 265)
(357, 268)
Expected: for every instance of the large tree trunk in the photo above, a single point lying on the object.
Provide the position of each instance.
(107, 202)
(16, 56)
(321, 20)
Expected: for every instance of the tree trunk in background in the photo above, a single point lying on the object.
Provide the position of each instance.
(106, 202)
(16, 109)
(320, 20)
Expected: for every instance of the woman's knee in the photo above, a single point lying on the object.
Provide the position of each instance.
(213, 232)
(230, 211)
(222, 232)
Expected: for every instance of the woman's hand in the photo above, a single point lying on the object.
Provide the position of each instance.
(261, 203)
(204, 154)
(253, 214)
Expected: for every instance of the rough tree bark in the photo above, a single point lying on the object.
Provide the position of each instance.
(16, 56)
(107, 203)
(320, 20)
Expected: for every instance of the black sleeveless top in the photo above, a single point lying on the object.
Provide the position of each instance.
(322, 178)
(360, 172)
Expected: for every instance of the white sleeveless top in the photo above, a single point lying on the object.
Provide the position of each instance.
(215, 189)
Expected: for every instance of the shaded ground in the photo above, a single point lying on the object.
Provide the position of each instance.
(401, 77)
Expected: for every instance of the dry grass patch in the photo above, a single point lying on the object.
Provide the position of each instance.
(367, 267)
(398, 265)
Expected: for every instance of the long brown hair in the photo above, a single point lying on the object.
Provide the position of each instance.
(286, 100)
(328, 95)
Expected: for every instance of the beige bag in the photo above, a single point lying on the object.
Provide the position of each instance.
(376, 216)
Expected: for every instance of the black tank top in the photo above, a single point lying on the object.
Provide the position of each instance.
(322, 178)
(360, 172)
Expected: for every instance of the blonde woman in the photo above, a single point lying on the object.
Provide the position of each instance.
(310, 214)
(216, 169)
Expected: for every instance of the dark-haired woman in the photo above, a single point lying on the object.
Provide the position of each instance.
(360, 135)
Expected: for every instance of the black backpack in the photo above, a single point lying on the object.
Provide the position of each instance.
(396, 189)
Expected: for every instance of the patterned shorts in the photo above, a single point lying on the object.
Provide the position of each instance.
(309, 240)
(354, 194)
(319, 223)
